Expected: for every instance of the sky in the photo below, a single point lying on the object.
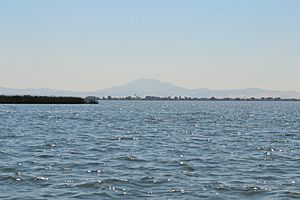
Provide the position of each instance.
(86, 45)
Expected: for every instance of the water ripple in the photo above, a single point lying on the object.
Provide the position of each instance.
(150, 150)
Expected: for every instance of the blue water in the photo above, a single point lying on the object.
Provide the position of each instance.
(150, 150)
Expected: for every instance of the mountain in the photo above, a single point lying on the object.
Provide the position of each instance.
(152, 87)
(144, 87)
(39, 91)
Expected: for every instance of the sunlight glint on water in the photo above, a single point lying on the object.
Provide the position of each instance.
(150, 150)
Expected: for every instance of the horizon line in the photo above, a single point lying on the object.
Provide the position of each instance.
(147, 79)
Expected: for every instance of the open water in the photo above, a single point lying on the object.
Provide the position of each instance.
(150, 150)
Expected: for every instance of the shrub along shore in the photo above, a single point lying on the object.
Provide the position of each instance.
(27, 99)
(179, 98)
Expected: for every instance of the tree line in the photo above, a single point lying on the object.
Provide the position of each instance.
(179, 98)
(27, 99)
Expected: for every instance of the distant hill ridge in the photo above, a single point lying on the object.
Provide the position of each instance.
(153, 87)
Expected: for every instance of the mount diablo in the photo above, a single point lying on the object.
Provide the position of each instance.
(152, 87)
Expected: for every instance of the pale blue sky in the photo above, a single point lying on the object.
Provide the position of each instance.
(94, 44)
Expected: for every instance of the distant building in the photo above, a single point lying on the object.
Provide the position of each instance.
(91, 100)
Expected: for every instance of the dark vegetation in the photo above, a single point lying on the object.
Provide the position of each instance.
(27, 99)
(155, 98)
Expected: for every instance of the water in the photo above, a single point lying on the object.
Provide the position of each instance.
(151, 150)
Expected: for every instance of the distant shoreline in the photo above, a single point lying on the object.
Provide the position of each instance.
(28, 99)
(155, 98)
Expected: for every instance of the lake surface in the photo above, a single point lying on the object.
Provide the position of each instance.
(150, 150)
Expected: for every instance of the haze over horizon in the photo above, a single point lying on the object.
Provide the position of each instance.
(153, 87)
(150, 82)
(90, 45)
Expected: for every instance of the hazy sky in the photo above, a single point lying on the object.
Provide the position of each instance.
(94, 44)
